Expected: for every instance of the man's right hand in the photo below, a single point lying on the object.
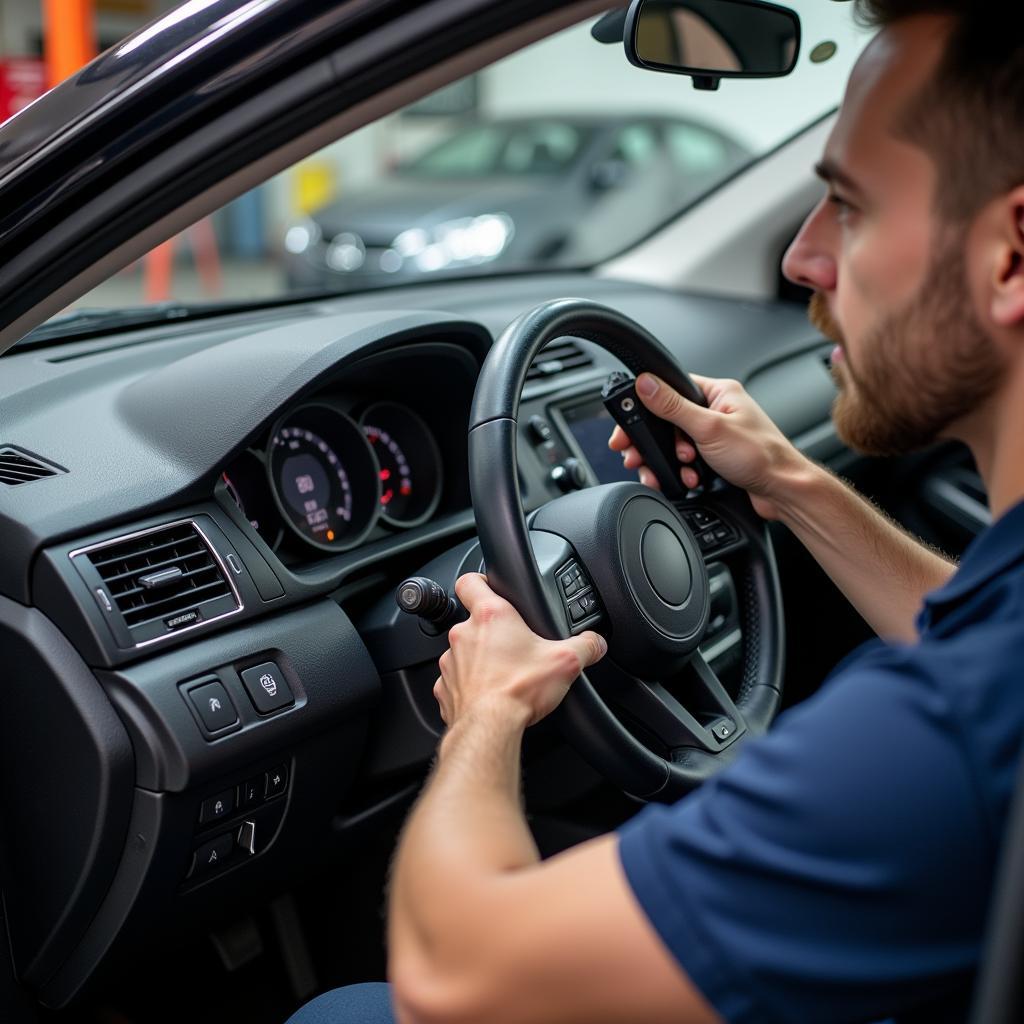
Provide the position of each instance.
(851, 540)
(735, 436)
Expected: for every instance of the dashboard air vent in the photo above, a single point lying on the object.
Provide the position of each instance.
(18, 467)
(559, 356)
(163, 580)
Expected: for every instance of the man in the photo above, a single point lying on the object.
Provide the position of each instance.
(841, 868)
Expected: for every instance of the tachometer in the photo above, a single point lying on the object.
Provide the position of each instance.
(410, 465)
(324, 477)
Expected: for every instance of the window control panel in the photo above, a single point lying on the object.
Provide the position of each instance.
(578, 598)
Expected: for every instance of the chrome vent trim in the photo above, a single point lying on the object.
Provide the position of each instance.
(21, 467)
(122, 562)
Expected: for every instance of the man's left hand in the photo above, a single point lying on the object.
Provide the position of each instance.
(495, 661)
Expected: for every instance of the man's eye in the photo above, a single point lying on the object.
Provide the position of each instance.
(843, 208)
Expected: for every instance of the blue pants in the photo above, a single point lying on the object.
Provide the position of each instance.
(355, 1004)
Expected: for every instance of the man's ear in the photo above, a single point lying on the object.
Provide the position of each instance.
(1007, 280)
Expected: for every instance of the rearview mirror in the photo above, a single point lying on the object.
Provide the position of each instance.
(712, 39)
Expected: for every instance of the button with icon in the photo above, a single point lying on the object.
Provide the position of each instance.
(213, 854)
(267, 687)
(217, 807)
(213, 705)
(277, 781)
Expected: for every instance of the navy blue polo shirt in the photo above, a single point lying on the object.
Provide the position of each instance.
(841, 868)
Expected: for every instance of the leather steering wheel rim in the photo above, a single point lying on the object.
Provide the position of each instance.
(586, 719)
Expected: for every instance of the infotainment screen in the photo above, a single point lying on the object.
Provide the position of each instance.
(591, 426)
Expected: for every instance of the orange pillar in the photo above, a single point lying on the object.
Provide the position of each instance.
(69, 37)
(158, 270)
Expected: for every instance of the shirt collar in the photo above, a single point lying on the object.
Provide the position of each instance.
(994, 550)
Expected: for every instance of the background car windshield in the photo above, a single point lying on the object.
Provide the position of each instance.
(562, 155)
(538, 147)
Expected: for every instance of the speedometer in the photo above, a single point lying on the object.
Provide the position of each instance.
(410, 465)
(324, 477)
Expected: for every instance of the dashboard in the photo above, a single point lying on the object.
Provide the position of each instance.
(205, 657)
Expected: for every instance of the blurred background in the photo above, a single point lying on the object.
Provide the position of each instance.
(561, 155)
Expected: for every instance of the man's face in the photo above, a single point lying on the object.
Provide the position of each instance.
(890, 278)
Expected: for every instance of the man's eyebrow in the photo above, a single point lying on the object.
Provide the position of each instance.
(831, 172)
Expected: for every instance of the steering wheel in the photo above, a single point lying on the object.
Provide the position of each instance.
(674, 722)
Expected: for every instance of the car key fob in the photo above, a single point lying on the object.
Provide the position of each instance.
(653, 437)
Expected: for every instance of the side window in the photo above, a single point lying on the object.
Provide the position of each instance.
(541, 148)
(636, 145)
(473, 152)
(694, 149)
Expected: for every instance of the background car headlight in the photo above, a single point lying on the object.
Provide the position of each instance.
(452, 243)
(346, 252)
(301, 236)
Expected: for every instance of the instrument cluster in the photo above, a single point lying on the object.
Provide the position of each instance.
(332, 472)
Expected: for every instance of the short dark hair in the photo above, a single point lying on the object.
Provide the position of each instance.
(970, 117)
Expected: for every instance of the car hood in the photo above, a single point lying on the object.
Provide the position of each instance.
(379, 213)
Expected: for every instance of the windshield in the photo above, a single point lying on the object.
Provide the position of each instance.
(561, 155)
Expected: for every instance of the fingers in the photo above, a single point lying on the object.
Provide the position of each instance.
(685, 451)
(441, 696)
(476, 595)
(619, 441)
(648, 479)
(632, 459)
(589, 647)
(666, 402)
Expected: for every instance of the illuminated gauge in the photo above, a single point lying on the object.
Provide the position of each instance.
(324, 477)
(410, 465)
(246, 483)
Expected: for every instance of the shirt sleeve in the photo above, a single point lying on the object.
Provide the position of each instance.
(839, 869)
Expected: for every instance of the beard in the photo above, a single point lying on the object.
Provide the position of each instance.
(919, 370)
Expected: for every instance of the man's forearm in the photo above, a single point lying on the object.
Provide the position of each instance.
(883, 571)
(467, 829)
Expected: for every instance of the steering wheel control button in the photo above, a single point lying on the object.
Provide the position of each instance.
(578, 598)
(277, 782)
(723, 729)
(665, 564)
(217, 807)
(572, 581)
(267, 687)
(699, 518)
(711, 533)
(213, 705)
(211, 855)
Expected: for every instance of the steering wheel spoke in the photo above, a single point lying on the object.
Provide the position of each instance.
(693, 709)
(705, 694)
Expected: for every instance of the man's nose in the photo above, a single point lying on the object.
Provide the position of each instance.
(808, 260)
